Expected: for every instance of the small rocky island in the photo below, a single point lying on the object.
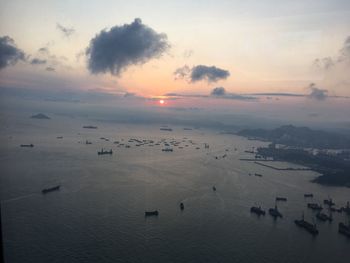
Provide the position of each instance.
(40, 116)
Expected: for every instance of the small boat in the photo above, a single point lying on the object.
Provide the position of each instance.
(314, 206)
(308, 195)
(259, 175)
(275, 213)
(344, 229)
(214, 188)
(257, 210)
(328, 202)
(182, 206)
(334, 209)
(281, 198)
(324, 217)
(346, 208)
(27, 145)
(48, 190)
(151, 213)
(59, 137)
(102, 152)
(167, 150)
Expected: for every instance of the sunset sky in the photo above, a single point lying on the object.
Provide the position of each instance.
(259, 46)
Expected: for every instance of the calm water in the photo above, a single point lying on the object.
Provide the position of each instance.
(98, 215)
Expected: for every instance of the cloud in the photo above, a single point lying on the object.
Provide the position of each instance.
(183, 72)
(188, 53)
(335, 69)
(53, 62)
(122, 46)
(129, 95)
(9, 53)
(201, 72)
(278, 94)
(343, 58)
(316, 93)
(38, 61)
(67, 32)
(211, 74)
(50, 69)
(345, 52)
(216, 93)
(219, 91)
(324, 63)
(44, 50)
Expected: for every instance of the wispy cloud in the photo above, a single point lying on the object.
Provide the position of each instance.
(38, 61)
(50, 69)
(216, 93)
(66, 31)
(335, 69)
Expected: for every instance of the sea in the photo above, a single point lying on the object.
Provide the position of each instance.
(98, 214)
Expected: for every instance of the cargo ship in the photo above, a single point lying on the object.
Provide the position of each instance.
(27, 145)
(281, 198)
(102, 152)
(152, 213)
(51, 189)
(314, 206)
(311, 228)
(257, 210)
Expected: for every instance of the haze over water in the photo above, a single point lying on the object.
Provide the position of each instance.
(98, 214)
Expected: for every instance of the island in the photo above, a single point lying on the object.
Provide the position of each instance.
(40, 116)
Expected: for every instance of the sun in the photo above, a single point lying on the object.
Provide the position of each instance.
(161, 102)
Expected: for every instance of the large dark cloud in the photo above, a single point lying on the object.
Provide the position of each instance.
(317, 93)
(201, 72)
(66, 31)
(122, 46)
(9, 53)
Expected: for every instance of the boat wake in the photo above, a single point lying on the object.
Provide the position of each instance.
(18, 198)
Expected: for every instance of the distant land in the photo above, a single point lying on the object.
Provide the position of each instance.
(299, 137)
(40, 116)
(335, 167)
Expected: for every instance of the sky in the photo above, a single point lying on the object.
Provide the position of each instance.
(188, 50)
